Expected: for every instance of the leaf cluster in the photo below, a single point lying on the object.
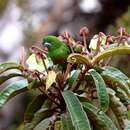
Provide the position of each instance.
(86, 94)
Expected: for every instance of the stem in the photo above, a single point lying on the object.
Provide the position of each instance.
(67, 72)
(79, 80)
(22, 58)
(44, 92)
(70, 45)
(45, 65)
(98, 45)
(36, 48)
(85, 44)
(84, 41)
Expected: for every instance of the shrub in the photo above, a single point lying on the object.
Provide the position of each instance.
(76, 89)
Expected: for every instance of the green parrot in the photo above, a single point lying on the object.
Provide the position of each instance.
(58, 51)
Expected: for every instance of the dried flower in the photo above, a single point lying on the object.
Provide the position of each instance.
(84, 31)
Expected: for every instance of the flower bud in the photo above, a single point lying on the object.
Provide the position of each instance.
(84, 31)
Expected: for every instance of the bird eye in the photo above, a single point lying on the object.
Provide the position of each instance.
(47, 44)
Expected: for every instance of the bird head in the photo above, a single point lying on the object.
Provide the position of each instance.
(49, 41)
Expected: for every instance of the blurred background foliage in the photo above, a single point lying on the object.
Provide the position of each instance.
(25, 22)
(122, 62)
(123, 21)
(3, 5)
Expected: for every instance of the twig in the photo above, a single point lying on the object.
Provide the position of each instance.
(45, 65)
(22, 56)
(67, 72)
(44, 92)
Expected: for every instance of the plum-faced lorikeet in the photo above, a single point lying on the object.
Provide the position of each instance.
(58, 51)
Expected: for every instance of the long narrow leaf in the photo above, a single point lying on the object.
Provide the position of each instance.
(100, 119)
(44, 112)
(118, 108)
(111, 52)
(34, 106)
(12, 90)
(3, 78)
(115, 78)
(114, 118)
(117, 73)
(37, 119)
(43, 125)
(66, 122)
(78, 116)
(6, 66)
(101, 90)
(73, 79)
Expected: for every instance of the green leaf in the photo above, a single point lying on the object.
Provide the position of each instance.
(79, 59)
(6, 66)
(118, 108)
(34, 106)
(66, 123)
(12, 90)
(35, 63)
(43, 125)
(121, 94)
(73, 78)
(78, 116)
(99, 119)
(41, 115)
(111, 52)
(115, 78)
(117, 73)
(44, 112)
(101, 90)
(6, 77)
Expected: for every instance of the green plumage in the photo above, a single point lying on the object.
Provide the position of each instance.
(58, 51)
